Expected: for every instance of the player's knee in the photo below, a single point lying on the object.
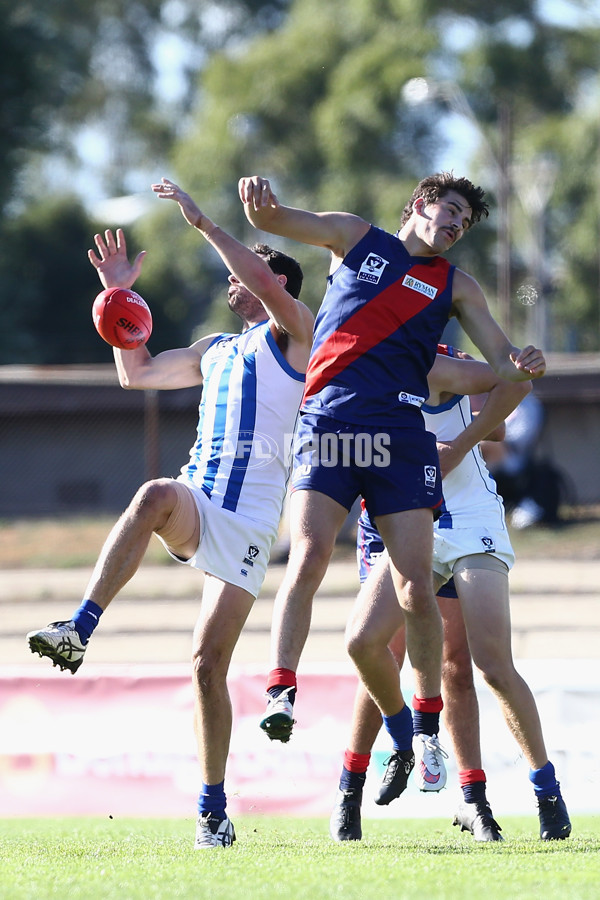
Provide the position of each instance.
(155, 498)
(359, 644)
(417, 596)
(309, 558)
(207, 667)
(180, 529)
(497, 675)
(457, 676)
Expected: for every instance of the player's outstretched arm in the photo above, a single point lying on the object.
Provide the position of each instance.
(138, 369)
(471, 377)
(290, 316)
(473, 313)
(167, 371)
(335, 231)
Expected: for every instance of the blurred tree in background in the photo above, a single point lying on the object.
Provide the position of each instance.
(313, 96)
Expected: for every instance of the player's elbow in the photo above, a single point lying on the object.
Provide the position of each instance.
(523, 388)
(498, 434)
(516, 391)
(267, 287)
(129, 383)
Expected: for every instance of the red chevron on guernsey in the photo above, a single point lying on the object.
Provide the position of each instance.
(372, 323)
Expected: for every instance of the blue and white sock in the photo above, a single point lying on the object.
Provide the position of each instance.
(212, 799)
(86, 618)
(544, 781)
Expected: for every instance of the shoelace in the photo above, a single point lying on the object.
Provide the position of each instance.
(433, 746)
(392, 764)
(280, 698)
(349, 806)
(549, 804)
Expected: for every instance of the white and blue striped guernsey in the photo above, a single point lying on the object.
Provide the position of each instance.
(247, 415)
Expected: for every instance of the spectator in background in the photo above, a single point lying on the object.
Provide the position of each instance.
(530, 487)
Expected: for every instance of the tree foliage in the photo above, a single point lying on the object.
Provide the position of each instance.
(318, 106)
(310, 95)
(66, 69)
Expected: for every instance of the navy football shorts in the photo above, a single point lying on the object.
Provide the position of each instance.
(393, 469)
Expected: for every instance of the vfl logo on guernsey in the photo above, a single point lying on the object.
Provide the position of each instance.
(372, 268)
(420, 286)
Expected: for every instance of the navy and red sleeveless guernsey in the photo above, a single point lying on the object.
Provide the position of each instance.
(377, 332)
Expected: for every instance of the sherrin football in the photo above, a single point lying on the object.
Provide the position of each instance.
(122, 318)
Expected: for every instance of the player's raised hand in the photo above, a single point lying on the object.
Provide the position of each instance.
(111, 263)
(530, 360)
(256, 192)
(168, 190)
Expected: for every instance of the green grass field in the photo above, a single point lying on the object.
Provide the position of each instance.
(293, 859)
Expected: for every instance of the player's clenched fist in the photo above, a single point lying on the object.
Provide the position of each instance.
(530, 360)
(256, 192)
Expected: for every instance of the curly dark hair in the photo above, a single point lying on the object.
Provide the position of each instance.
(434, 187)
(282, 264)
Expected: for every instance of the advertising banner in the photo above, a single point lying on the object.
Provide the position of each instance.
(118, 741)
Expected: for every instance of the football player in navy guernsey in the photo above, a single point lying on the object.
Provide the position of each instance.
(221, 515)
(387, 300)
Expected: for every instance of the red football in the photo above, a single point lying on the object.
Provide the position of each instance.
(122, 318)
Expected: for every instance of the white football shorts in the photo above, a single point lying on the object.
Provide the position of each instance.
(233, 548)
(452, 544)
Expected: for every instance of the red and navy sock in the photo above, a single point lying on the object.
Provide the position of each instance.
(85, 619)
(354, 771)
(400, 729)
(279, 680)
(472, 782)
(426, 714)
(212, 799)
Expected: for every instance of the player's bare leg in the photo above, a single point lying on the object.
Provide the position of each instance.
(375, 619)
(461, 718)
(65, 642)
(345, 821)
(461, 708)
(484, 598)
(485, 604)
(128, 540)
(223, 613)
(408, 537)
(225, 608)
(315, 522)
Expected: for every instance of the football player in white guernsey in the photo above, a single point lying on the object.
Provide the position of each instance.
(222, 514)
(472, 546)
